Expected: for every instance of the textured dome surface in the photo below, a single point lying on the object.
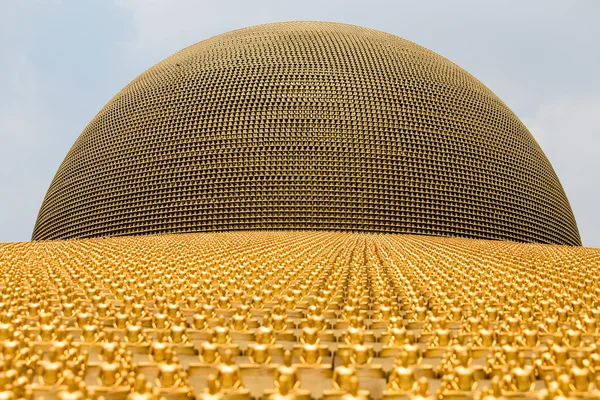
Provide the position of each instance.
(307, 125)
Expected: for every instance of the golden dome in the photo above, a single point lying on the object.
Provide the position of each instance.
(307, 125)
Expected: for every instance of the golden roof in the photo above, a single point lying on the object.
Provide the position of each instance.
(307, 125)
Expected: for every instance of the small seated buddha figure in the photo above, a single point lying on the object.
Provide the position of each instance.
(494, 392)
(283, 390)
(520, 377)
(83, 316)
(223, 336)
(580, 374)
(200, 322)
(289, 370)
(22, 380)
(464, 374)
(558, 350)
(343, 372)
(551, 392)
(279, 319)
(431, 322)
(317, 319)
(472, 325)
(395, 332)
(51, 370)
(446, 365)
(170, 374)
(355, 325)
(140, 313)
(384, 310)
(142, 389)
(441, 336)
(239, 321)
(543, 365)
(10, 346)
(311, 353)
(310, 344)
(134, 335)
(594, 356)
(47, 330)
(550, 324)
(222, 331)
(268, 333)
(360, 353)
(62, 340)
(223, 300)
(74, 388)
(121, 317)
(495, 363)
(461, 343)
(402, 378)
(422, 390)
(351, 309)
(228, 374)
(590, 325)
(529, 336)
(6, 388)
(208, 353)
(485, 336)
(158, 349)
(287, 385)
(212, 391)
(110, 342)
(353, 392)
(79, 363)
(178, 331)
(260, 352)
(110, 372)
(509, 348)
(510, 324)
(160, 320)
(446, 387)
(91, 331)
(415, 354)
(573, 335)
(419, 310)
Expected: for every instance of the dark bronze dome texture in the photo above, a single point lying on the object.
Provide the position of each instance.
(307, 125)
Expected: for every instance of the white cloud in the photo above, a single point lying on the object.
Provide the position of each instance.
(568, 130)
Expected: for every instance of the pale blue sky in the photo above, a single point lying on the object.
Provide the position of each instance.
(63, 60)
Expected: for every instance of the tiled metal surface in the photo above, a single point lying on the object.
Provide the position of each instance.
(307, 125)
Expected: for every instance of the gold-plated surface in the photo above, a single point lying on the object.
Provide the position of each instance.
(307, 125)
(295, 315)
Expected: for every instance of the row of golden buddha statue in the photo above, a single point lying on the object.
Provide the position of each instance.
(292, 315)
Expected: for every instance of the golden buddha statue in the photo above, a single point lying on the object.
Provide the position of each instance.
(289, 370)
(158, 349)
(260, 351)
(343, 373)
(212, 390)
(402, 378)
(109, 371)
(51, 371)
(208, 352)
(580, 374)
(464, 374)
(422, 390)
(520, 377)
(170, 374)
(353, 392)
(228, 374)
(73, 390)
